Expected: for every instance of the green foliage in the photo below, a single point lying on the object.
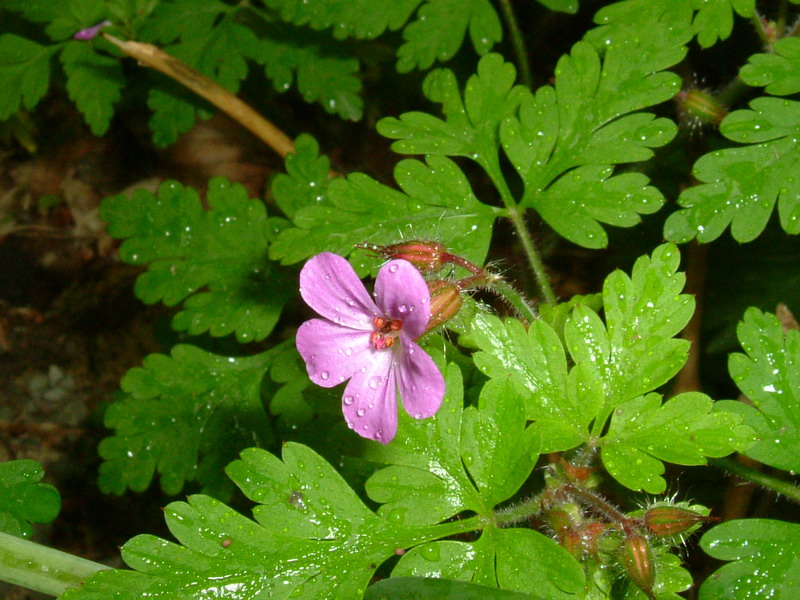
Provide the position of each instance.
(714, 18)
(567, 6)
(765, 554)
(188, 248)
(778, 72)
(24, 499)
(24, 72)
(435, 202)
(184, 416)
(416, 588)
(769, 377)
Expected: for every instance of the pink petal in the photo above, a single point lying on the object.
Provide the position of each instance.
(332, 353)
(421, 383)
(91, 32)
(369, 403)
(331, 287)
(401, 293)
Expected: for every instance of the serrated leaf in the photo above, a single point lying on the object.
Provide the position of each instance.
(766, 555)
(305, 180)
(684, 430)
(24, 499)
(714, 18)
(187, 248)
(564, 139)
(565, 6)
(24, 73)
(741, 185)
(63, 18)
(768, 375)
(421, 588)
(778, 71)
(437, 204)
(94, 82)
(439, 29)
(363, 19)
(184, 416)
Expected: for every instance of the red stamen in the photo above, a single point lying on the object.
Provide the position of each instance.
(395, 324)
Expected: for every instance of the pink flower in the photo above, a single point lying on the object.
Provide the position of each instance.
(371, 343)
(91, 32)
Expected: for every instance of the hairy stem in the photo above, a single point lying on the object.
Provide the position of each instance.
(518, 41)
(791, 491)
(157, 59)
(761, 30)
(534, 259)
(40, 568)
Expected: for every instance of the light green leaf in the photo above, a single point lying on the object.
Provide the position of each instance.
(766, 557)
(94, 82)
(439, 29)
(714, 18)
(436, 202)
(24, 73)
(684, 430)
(306, 178)
(778, 71)
(741, 185)
(24, 499)
(768, 375)
(185, 417)
(187, 248)
(420, 588)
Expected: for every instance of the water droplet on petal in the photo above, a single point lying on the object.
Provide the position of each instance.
(375, 382)
(348, 351)
(393, 268)
(417, 415)
(361, 412)
(328, 276)
(324, 375)
(341, 379)
(348, 400)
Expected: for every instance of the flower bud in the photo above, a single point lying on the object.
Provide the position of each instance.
(700, 107)
(636, 558)
(445, 302)
(428, 257)
(670, 520)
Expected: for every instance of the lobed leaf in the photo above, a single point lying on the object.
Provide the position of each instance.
(741, 185)
(765, 557)
(306, 178)
(187, 248)
(439, 29)
(63, 18)
(779, 71)
(94, 82)
(24, 499)
(184, 416)
(714, 18)
(565, 6)
(416, 588)
(768, 375)
(436, 202)
(24, 73)
(684, 430)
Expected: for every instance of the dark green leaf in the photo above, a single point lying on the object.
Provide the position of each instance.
(439, 29)
(24, 73)
(566, 6)
(24, 499)
(766, 555)
(187, 248)
(185, 417)
(420, 588)
(769, 377)
(63, 18)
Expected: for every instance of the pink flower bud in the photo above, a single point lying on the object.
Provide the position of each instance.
(636, 557)
(445, 302)
(428, 257)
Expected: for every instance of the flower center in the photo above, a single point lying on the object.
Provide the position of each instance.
(385, 332)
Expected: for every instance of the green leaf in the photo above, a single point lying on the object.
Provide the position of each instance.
(94, 82)
(436, 202)
(363, 19)
(24, 499)
(564, 139)
(420, 588)
(565, 6)
(766, 555)
(768, 375)
(778, 71)
(63, 18)
(184, 416)
(24, 73)
(714, 18)
(741, 185)
(187, 248)
(439, 29)
(684, 430)
(305, 180)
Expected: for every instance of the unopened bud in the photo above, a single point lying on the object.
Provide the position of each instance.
(671, 520)
(700, 107)
(428, 257)
(445, 302)
(636, 558)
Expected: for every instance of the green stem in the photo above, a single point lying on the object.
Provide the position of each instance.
(518, 42)
(533, 256)
(791, 491)
(515, 299)
(780, 25)
(40, 568)
(519, 512)
(758, 24)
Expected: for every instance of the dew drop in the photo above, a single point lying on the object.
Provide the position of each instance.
(348, 400)
(324, 375)
(327, 276)
(361, 412)
(393, 268)
(348, 351)
(375, 382)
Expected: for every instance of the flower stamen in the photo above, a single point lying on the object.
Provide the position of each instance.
(385, 333)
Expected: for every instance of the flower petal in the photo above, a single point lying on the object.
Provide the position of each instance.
(332, 353)
(401, 293)
(421, 383)
(331, 287)
(369, 403)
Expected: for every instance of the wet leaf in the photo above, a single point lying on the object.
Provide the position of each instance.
(24, 499)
